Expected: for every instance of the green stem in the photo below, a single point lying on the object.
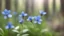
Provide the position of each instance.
(9, 32)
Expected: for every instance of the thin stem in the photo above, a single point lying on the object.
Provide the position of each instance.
(9, 32)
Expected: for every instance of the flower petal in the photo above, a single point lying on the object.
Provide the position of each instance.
(39, 22)
(3, 13)
(5, 17)
(28, 20)
(12, 26)
(25, 14)
(9, 15)
(6, 27)
(44, 13)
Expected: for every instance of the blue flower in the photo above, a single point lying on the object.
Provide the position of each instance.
(42, 12)
(37, 19)
(9, 25)
(30, 18)
(7, 13)
(23, 14)
(21, 21)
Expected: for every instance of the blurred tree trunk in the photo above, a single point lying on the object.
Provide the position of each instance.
(32, 7)
(15, 5)
(26, 6)
(0, 5)
(20, 5)
(12, 5)
(50, 7)
(57, 6)
(62, 12)
(3, 5)
(8, 4)
(58, 21)
(54, 8)
(29, 7)
(46, 5)
(62, 7)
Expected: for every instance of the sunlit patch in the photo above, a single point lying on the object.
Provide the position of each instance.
(39, 3)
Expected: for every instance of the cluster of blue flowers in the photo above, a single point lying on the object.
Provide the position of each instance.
(34, 19)
(21, 17)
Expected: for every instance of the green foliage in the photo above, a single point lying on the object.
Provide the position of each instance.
(25, 29)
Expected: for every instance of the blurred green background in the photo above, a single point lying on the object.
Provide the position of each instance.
(53, 18)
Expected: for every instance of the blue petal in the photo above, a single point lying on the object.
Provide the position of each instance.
(12, 26)
(30, 18)
(25, 14)
(39, 17)
(6, 27)
(9, 15)
(5, 10)
(39, 22)
(9, 25)
(3, 13)
(21, 21)
(41, 11)
(9, 11)
(5, 17)
(44, 13)
(22, 12)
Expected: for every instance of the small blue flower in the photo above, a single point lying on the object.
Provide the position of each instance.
(42, 12)
(37, 19)
(9, 25)
(23, 14)
(30, 18)
(21, 21)
(7, 13)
